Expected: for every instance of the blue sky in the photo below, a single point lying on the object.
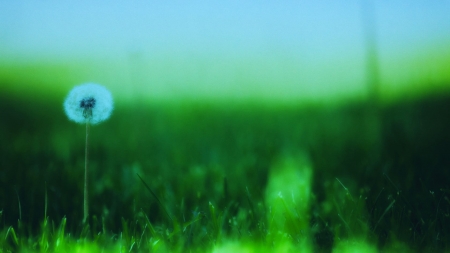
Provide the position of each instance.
(311, 45)
(28, 26)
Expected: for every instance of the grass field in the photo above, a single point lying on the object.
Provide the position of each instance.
(238, 177)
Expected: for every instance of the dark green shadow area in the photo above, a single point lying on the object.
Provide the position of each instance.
(393, 160)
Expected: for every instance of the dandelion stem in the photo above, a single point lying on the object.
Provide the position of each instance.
(86, 163)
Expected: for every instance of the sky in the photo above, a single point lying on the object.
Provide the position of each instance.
(241, 49)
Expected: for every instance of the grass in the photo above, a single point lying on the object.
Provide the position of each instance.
(235, 178)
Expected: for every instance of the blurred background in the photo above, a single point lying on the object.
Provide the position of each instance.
(294, 51)
(209, 92)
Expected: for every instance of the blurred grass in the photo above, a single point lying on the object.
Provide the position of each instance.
(275, 78)
(379, 180)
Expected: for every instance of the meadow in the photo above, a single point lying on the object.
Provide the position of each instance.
(228, 177)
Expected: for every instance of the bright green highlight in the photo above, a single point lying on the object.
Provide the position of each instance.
(270, 77)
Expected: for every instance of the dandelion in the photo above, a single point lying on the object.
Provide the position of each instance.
(88, 104)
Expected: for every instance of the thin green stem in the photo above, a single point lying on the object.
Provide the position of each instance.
(86, 163)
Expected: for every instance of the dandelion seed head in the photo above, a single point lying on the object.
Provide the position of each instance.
(88, 103)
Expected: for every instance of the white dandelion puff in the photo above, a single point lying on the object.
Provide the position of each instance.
(89, 103)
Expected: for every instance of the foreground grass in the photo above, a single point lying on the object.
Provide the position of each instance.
(228, 179)
(288, 230)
